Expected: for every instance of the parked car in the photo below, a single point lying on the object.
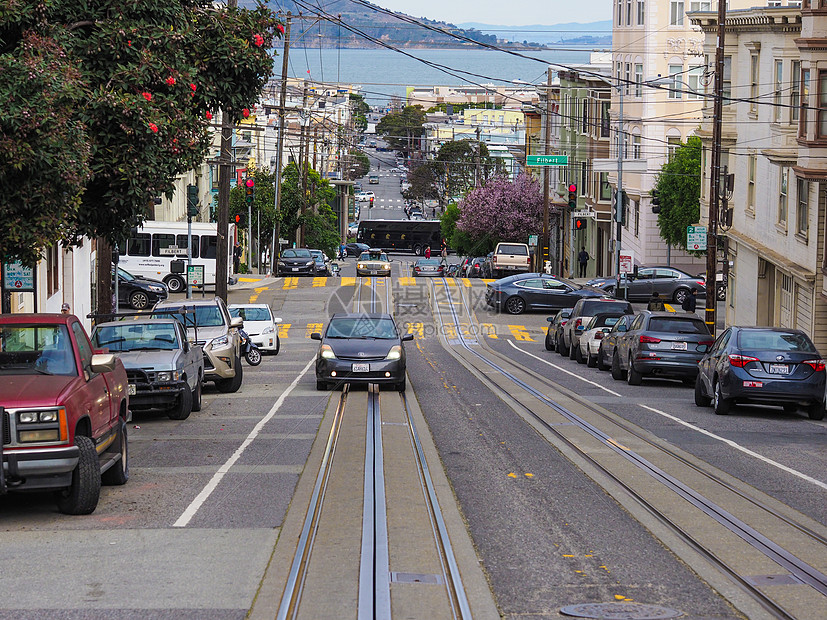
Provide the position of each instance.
(661, 344)
(164, 370)
(296, 262)
(322, 263)
(64, 409)
(535, 291)
(373, 262)
(582, 311)
(361, 348)
(762, 365)
(210, 325)
(508, 259)
(429, 267)
(139, 293)
(555, 326)
(596, 328)
(365, 196)
(669, 283)
(474, 267)
(356, 249)
(260, 324)
(609, 341)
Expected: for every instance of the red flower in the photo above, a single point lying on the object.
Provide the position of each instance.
(245, 112)
(208, 114)
(258, 40)
(170, 81)
(147, 96)
(129, 43)
(193, 87)
(153, 127)
(280, 28)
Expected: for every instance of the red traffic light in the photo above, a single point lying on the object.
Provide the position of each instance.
(572, 188)
(250, 183)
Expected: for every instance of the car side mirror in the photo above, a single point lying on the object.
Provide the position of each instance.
(407, 337)
(315, 336)
(276, 319)
(103, 362)
(622, 328)
(550, 319)
(186, 346)
(237, 322)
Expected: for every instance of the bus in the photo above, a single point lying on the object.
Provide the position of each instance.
(158, 250)
(401, 235)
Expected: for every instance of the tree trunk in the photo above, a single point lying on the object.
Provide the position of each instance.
(104, 277)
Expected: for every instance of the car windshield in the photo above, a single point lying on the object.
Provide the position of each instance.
(205, 316)
(602, 320)
(767, 340)
(362, 327)
(36, 350)
(428, 261)
(373, 256)
(123, 273)
(131, 336)
(590, 308)
(251, 314)
(299, 253)
(677, 325)
(507, 248)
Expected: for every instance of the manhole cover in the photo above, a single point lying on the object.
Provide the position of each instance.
(620, 611)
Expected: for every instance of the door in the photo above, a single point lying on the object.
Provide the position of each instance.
(97, 398)
(641, 287)
(532, 291)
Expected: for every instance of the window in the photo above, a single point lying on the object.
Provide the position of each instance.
(139, 245)
(208, 245)
(727, 81)
(751, 163)
(605, 188)
(638, 79)
(605, 120)
(676, 13)
(805, 101)
(160, 241)
(641, 12)
(636, 147)
(584, 178)
(795, 90)
(822, 104)
(52, 282)
(182, 243)
(753, 82)
(699, 6)
(619, 12)
(672, 145)
(777, 95)
(675, 87)
(694, 78)
(803, 215)
(628, 12)
(585, 121)
(636, 207)
(628, 78)
(782, 195)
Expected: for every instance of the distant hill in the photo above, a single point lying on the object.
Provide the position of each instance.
(592, 33)
(374, 23)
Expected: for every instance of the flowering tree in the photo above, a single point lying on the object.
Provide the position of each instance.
(502, 211)
(108, 103)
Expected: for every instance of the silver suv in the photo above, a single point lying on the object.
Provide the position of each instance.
(217, 332)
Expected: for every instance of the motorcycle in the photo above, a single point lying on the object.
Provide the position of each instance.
(251, 352)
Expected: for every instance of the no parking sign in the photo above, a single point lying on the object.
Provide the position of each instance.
(696, 238)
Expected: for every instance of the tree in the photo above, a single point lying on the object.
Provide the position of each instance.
(423, 183)
(313, 211)
(360, 112)
(128, 93)
(401, 128)
(455, 167)
(502, 211)
(264, 207)
(457, 239)
(359, 163)
(679, 189)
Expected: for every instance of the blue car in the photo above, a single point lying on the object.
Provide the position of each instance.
(762, 365)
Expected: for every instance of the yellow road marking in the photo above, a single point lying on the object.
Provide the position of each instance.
(283, 329)
(417, 329)
(520, 333)
(406, 281)
(258, 292)
(321, 281)
(512, 475)
(290, 283)
(312, 327)
(488, 329)
(466, 282)
(614, 443)
(450, 331)
(249, 279)
(349, 281)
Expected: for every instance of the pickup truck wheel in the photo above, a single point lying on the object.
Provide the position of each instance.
(228, 386)
(139, 300)
(182, 410)
(118, 474)
(81, 497)
(196, 395)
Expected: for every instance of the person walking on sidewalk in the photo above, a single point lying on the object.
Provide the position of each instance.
(583, 260)
(691, 301)
(428, 252)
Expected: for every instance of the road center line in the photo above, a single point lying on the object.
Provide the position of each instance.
(732, 444)
(190, 511)
(568, 372)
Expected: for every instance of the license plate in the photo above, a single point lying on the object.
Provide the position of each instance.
(295, 268)
(360, 368)
(679, 346)
(373, 272)
(131, 389)
(779, 369)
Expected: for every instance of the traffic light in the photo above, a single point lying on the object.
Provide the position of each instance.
(580, 223)
(371, 203)
(249, 191)
(655, 202)
(572, 196)
(240, 220)
(192, 200)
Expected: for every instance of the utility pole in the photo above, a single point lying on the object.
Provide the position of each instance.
(274, 254)
(543, 245)
(302, 164)
(479, 155)
(715, 180)
(619, 194)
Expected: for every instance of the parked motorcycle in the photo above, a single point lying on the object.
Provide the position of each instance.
(251, 352)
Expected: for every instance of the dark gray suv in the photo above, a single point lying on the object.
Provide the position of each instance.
(582, 311)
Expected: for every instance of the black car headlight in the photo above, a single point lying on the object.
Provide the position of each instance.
(326, 351)
(395, 353)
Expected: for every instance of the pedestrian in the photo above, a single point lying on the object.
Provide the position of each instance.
(656, 303)
(342, 251)
(65, 309)
(444, 251)
(583, 260)
(236, 257)
(433, 212)
(428, 252)
(690, 302)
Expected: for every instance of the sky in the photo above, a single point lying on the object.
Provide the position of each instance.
(518, 13)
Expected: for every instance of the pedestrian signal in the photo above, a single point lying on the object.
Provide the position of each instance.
(572, 196)
(240, 220)
(580, 223)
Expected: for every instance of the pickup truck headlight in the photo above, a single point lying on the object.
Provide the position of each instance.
(395, 353)
(169, 375)
(42, 425)
(33, 417)
(221, 341)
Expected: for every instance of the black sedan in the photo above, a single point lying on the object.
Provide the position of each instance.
(661, 344)
(429, 267)
(474, 267)
(536, 291)
(762, 365)
(356, 249)
(139, 293)
(555, 328)
(669, 283)
(296, 262)
(609, 341)
(361, 348)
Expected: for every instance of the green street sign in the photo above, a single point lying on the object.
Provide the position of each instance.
(547, 160)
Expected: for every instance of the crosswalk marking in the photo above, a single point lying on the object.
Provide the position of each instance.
(290, 283)
(319, 281)
(520, 333)
(348, 281)
(312, 327)
(284, 328)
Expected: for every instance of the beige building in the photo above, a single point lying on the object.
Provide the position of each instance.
(505, 96)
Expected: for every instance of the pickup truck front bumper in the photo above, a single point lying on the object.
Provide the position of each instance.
(38, 468)
(154, 394)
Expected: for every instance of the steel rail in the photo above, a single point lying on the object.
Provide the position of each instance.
(798, 568)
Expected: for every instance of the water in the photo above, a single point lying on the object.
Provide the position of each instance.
(385, 73)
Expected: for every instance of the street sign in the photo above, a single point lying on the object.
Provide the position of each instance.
(195, 275)
(547, 160)
(172, 250)
(16, 277)
(532, 239)
(696, 238)
(592, 214)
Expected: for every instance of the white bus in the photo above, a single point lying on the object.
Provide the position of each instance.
(150, 252)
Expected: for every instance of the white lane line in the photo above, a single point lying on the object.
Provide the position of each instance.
(732, 444)
(568, 372)
(190, 511)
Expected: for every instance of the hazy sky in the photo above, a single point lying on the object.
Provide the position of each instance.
(509, 13)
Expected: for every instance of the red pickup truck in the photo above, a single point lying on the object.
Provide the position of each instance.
(63, 411)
